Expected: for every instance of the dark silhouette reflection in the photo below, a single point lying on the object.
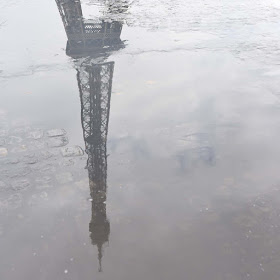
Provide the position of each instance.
(89, 41)
(95, 85)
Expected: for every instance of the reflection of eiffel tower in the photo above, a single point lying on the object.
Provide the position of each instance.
(95, 87)
(95, 84)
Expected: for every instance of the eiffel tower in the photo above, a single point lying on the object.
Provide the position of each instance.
(89, 41)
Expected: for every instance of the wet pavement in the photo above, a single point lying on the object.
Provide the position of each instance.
(139, 140)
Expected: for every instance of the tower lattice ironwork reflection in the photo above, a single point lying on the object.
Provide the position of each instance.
(95, 86)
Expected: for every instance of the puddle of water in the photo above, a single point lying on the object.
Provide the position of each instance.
(140, 143)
